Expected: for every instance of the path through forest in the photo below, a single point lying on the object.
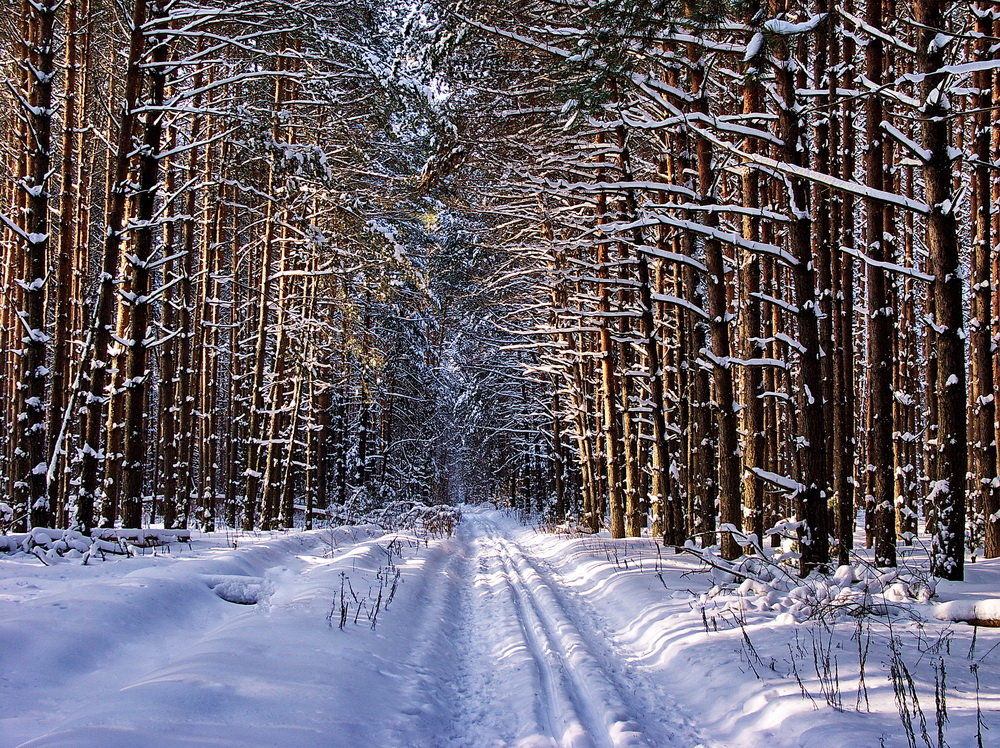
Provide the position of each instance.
(482, 644)
(535, 665)
(500, 635)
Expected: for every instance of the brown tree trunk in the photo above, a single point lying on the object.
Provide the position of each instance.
(255, 466)
(983, 468)
(62, 378)
(950, 457)
(611, 413)
(844, 418)
(813, 469)
(135, 446)
(880, 315)
(727, 450)
(29, 465)
(93, 447)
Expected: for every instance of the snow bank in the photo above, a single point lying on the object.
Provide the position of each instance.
(498, 634)
(225, 641)
(979, 612)
(779, 663)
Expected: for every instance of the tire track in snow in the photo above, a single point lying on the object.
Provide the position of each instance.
(578, 702)
(615, 659)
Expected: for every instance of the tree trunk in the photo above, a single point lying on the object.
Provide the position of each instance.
(880, 315)
(811, 452)
(611, 413)
(984, 392)
(29, 466)
(94, 456)
(135, 444)
(948, 334)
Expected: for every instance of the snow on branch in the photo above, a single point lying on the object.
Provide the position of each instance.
(872, 31)
(844, 185)
(713, 233)
(781, 481)
(921, 153)
(787, 28)
(888, 266)
(601, 187)
(682, 303)
(663, 254)
(780, 303)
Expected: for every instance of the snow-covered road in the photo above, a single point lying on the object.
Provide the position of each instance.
(479, 646)
(497, 636)
(542, 668)
(532, 665)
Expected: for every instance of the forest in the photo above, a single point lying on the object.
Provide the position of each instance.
(705, 270)
(542, 373)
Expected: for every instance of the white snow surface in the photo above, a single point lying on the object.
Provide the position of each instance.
(500, 635)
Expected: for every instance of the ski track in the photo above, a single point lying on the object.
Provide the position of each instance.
(533, 665)
(484, 646)
(614, 661)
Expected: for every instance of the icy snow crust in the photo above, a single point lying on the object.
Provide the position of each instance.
(499, 635)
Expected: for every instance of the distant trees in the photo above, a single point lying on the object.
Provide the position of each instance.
(744, 221)
(218, 302)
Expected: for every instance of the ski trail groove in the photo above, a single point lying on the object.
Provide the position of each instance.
(616, 659)
(558, 662)
(578, 701)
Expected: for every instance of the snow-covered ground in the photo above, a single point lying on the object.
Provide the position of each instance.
(499, 635)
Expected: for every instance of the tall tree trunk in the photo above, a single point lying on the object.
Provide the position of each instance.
(751, 383)
(611, 414)
(29, 466)
(844, 421)
(61, 393)
(93, 456)
(135, 444)
(813, 469)
(880, 314)
(984, 391)
(255, 466)
(948, 334)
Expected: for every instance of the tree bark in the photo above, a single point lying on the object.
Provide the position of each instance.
(947, 332)
(880, 314)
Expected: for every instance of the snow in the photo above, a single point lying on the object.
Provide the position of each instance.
(787, 28)
(921, 153)
(969, 610)
(754, 46)
(939, 42)
(781, 481)
(496, 635)
(146, 650)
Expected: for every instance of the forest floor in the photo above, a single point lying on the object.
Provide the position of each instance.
(499, 635)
